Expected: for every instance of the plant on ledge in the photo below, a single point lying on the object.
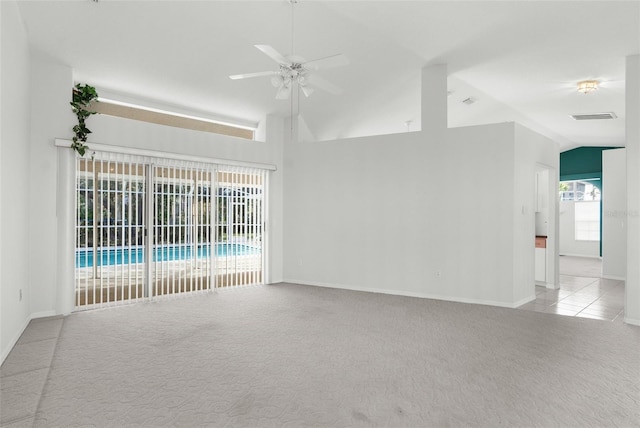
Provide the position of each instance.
(83, 95)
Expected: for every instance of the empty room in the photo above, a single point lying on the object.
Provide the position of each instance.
(320, 213)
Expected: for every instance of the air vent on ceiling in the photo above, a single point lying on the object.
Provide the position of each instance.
(593, 116)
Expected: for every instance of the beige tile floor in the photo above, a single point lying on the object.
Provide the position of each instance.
(581, 296)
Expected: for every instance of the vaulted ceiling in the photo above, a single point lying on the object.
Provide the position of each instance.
(519, 60)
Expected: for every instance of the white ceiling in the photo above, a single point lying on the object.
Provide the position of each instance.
(520, 60)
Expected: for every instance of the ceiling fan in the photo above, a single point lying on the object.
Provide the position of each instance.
(294, 70)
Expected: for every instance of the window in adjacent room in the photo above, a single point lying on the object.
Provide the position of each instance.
(587, 220)
(578, 190)
(585, 197)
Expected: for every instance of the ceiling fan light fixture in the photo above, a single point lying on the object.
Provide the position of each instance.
(283, 92)
(587, 86)
(295, 71)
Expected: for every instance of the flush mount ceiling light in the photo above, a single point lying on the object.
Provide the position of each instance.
(587, 86)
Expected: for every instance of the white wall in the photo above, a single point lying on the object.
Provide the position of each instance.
(614, 218)
(428, 213)
(274, 137)
(568, 244)
(632, 113)
(132, 133)
(14, 178)
(51, 117)
(388, 213)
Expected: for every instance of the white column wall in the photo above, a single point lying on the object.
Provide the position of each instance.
(14, 178)
(51, 117)
(65, 236)
(274, 137)
(614, 214)
(632, 113)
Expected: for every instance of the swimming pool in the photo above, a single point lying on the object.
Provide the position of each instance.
(134, 255)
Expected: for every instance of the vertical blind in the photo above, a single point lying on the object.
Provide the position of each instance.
(148, 227)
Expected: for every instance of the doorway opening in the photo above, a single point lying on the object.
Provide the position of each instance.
(545, 224)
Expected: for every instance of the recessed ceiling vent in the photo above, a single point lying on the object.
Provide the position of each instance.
(594, 116)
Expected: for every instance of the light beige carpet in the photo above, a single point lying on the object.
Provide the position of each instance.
(293, 356)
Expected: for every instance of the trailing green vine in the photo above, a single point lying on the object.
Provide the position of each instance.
(83, 95)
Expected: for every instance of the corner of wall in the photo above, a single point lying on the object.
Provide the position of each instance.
(274, 134)
(15, 293)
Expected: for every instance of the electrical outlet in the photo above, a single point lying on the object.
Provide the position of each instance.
(20, 294)
(438, 274)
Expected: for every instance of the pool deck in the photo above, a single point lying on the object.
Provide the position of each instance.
(121, 283)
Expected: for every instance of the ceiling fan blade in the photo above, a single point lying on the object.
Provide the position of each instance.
(273, 54)
(258, 74)
(284, 92)
(320, 83)
(307, 91)
(327, 62)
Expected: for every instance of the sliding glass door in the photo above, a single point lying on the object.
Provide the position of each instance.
(110, 227)
(154, 227)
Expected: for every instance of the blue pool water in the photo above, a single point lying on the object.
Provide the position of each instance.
(121, 256)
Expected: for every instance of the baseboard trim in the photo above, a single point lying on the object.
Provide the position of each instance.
(632, 321)
(524, 301)
(14, 340)
(617, 278)
(549, 285)
(582, 255)
(44, 314)
(407, 293)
